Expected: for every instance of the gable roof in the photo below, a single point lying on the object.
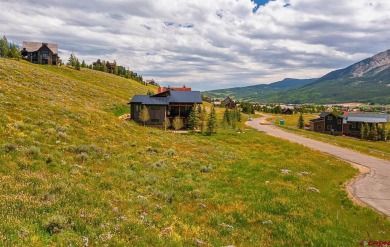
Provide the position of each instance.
(35, 46)
(325, 114)
(368, 117)
(168, 97)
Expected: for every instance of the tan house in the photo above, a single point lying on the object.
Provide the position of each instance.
(40, 53)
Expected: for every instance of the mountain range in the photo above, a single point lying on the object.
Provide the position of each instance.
(367, 81)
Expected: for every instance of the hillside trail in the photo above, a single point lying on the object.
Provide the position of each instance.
(371, 187)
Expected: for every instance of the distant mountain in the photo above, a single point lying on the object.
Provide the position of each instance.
(260, 91)
(367, 81)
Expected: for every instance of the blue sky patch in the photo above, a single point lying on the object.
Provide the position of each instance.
(259, 3)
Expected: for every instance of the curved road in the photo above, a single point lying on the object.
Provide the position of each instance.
(373, 188)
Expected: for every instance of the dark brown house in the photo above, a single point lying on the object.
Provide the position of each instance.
(228, 102)
(327, 123)
(167, 104)
(40, 53)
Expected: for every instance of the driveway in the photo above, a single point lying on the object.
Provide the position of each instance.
(373, 188)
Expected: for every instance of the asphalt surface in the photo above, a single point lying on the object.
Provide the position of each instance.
(373, 188)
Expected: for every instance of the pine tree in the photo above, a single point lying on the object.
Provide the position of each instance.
(177, 123)
(301, 122)
(365, 131)
(373, 134)
(144, 114)
(211, 122)
(14, 51)
(83, 64)
(226, 117)
(72, 60)
(202, 117)
(4, 48)
(77, 65)
(194, 119)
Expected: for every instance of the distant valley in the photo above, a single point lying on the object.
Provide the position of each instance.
(367, 81)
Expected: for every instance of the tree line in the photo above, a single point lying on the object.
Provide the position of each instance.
(9, 49)
(102, 65)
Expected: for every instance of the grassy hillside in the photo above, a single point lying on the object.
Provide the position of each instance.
(73, 173)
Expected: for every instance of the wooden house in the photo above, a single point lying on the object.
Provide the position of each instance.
(327, 123)
(167, 104)
(228, 102)
(354, 121)
(40, 53)
(163, 89)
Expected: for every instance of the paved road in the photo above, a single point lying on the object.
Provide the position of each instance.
(372, 188)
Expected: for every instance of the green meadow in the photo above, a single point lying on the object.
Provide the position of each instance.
(74, 174)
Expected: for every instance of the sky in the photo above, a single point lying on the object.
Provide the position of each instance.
(210, 44)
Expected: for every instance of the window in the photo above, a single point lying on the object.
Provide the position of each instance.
(353, 125)
(329, 127)
(137, 108)
(319, 127)
(330, 117)
(338, 121)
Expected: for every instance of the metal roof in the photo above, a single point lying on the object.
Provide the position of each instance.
(368, 118)
(172, 97)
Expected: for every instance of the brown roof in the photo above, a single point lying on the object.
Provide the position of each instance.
(34, 46)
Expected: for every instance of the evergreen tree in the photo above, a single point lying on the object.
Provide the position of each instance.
(77, 65)
(83, 64)
(194, 119)
(301, 122)
(226, 117)
(72, 60)
(202, 117)
(177, 123)
(365, 129)
(116, 71)
(144, 114)
(14, 51)
(211, 122)
(4, 48)
(373, 134)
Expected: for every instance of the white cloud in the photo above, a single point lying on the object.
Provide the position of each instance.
(207, 44)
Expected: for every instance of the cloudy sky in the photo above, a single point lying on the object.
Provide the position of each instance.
(207, 44)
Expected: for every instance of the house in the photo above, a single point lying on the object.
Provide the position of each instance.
(40, 53)
(228, 102)
(353, 121)
(217, 103)
(163, 89)
(111, 67)
(327, 123)
(167, 104)
(287, 109)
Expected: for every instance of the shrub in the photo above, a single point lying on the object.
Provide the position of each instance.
(159, 164)
(170, 152)
(9, 147)
(206, 169)
(56, 224)
(33, 152)
(82, 157)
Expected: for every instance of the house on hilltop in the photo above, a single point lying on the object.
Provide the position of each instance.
(167, 104)
(40, 53)
(163, 89)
